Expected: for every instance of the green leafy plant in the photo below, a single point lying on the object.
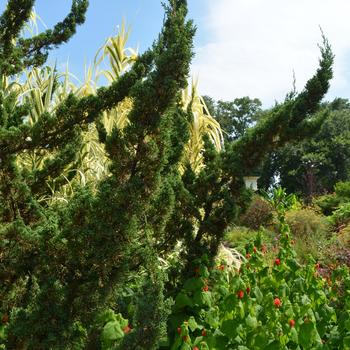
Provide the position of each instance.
(266, 304)
(114, 329)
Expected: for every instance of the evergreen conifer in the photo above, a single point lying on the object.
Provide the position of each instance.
(61, 263)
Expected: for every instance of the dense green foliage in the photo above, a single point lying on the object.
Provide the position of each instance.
(65, 263)
(315, 165)
(68, 258)
(330, 202)
(271, 302)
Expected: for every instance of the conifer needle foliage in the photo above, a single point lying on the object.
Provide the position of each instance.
(62, 262)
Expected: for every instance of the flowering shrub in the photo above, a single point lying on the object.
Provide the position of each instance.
(277, 304)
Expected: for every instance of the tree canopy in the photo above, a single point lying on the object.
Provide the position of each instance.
(313, 166)
(235, 117)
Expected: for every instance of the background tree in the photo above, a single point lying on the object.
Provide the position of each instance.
(235, 117)
(315, 165)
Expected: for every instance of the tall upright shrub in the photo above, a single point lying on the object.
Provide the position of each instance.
(61, 262)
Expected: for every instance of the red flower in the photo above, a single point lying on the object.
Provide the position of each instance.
(255, 250)
(195, 348)
(248, 290)
(179, 330)
(240, 294)
(277, 261)
(291, 323)
(317, 266)
(127, 329)
(221, 267)
(205, 288)
(277, 302)
(204, 332)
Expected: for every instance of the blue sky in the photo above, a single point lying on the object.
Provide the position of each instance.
(243, 47)
(144, 16)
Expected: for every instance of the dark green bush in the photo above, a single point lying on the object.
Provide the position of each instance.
(259, 213)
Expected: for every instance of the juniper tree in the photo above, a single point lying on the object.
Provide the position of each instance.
(316, 164)
(208, 202)
(62, 262)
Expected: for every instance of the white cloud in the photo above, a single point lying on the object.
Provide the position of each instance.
(255, 45)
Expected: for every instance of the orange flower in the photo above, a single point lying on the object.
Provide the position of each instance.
(127, 329)
(221, 267)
